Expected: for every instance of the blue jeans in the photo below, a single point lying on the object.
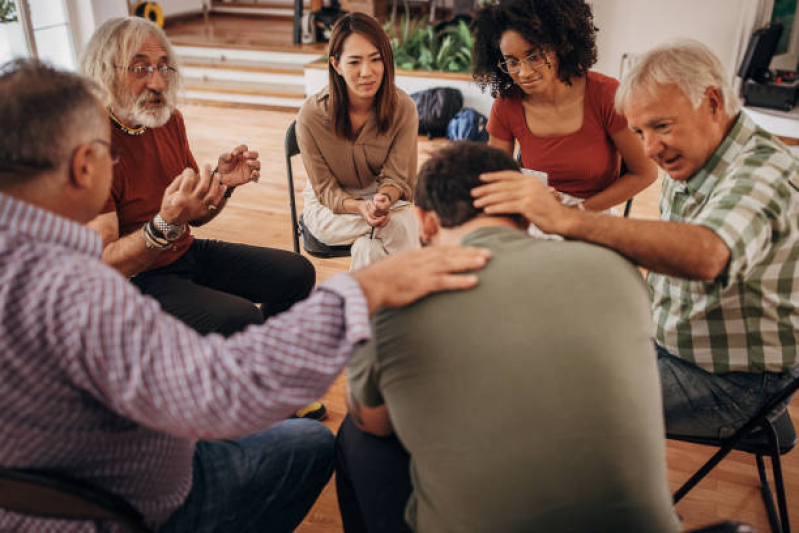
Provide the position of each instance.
(698, 403)
(262, 482)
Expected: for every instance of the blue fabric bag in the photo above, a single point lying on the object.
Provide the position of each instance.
(468, 125)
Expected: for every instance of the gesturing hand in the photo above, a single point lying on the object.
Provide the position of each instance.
(189, 196)
(239, 166)
(403, 278)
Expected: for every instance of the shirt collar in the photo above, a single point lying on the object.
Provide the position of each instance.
(716, 166)
(18, 216)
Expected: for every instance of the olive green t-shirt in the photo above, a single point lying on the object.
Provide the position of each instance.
(530, 403)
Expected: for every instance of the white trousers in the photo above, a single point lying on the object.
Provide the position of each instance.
(399, 234)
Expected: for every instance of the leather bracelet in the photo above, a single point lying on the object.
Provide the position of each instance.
(228, 192)
(152, 241)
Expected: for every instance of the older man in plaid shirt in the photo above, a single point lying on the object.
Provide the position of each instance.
(723, 258)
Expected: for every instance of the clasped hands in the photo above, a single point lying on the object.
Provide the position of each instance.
(376, 211)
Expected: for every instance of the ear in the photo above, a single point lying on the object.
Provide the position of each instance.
(715, 101)
(85, 167)
(428, 224)
(335, 65)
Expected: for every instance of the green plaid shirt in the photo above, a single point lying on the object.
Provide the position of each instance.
(748, 318)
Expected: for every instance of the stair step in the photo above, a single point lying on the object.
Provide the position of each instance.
(291, 79)
(242, 66)
(242, 87)
(278, 9)
(284, 57)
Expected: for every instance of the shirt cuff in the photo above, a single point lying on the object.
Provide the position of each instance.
(356, 309)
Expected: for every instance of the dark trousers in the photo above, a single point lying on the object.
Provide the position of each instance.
(214, 286)
(373, 481)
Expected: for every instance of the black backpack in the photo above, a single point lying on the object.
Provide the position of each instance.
(436, 108)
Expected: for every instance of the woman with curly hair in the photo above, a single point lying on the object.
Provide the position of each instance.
(535, 57)
(358, 139)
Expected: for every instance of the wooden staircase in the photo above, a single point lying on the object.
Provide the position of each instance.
(244, 76)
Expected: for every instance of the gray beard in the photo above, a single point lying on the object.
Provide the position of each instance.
(151, 118)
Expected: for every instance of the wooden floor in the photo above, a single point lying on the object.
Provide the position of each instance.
(274, 33)
(259, 214)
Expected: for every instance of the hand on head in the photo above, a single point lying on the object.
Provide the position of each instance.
(405, 277)
(189, 196)
(511, 192)
(239, 166)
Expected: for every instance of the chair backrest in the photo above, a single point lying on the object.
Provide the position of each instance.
(48, 495)
(292, 149)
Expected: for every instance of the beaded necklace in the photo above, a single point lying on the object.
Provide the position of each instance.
(125, 129)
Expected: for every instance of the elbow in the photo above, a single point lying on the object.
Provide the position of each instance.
(714, 261)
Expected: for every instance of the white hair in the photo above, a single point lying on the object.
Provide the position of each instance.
(115, 44)
(686, 63)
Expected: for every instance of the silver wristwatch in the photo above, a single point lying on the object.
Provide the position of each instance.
(170, 232)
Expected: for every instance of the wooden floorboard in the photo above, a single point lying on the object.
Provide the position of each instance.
(259, 214)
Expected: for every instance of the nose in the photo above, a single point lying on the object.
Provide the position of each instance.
(366, 69)
(156, 81)
(652, 145)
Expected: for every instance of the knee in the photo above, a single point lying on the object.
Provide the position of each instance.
(313, 444)
(304, 275)
(235, 320)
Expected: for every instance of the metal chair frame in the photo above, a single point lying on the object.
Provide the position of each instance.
(311, 244)
(765, 443)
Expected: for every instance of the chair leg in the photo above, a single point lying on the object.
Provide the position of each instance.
(701, 473)
(779, 485)
(768, 497)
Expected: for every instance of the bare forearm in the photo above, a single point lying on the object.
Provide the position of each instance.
(622, 190)
(129, 254)
(682, 250)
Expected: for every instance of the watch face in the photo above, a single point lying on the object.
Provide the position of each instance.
(172, 233)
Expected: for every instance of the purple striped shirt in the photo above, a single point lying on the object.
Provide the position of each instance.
(101, 385)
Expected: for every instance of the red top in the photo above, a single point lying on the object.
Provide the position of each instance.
(147, 165)
(582, 163)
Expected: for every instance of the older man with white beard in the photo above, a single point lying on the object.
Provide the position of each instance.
(212, 286)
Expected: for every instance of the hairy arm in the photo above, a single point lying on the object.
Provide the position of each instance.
(129, 254)
(672, 248)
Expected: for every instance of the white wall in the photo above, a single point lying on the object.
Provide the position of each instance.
(179, 7)
(86, 15)
(634, 26)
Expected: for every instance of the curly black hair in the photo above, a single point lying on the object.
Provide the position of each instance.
(565, 27)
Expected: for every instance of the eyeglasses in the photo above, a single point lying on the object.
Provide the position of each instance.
(144, 71)
(534, 61)
(113, 152)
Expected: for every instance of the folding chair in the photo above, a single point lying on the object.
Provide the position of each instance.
(769, 433)
(47, 495)
(311, 244)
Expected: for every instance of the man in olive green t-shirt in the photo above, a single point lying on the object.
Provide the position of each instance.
(525, 404)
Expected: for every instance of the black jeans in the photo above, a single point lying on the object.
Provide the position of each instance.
(373, 481)
(214, 286)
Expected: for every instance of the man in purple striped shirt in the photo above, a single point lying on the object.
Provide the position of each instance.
(102, 386)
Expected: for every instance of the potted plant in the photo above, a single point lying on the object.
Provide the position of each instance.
(12, 41)
(417, 45)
